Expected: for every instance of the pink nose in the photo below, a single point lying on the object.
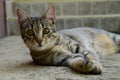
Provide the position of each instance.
(39, 41)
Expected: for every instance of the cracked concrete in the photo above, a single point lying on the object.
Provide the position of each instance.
(16, 64)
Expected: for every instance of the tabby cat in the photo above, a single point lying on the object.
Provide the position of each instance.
(78, 48)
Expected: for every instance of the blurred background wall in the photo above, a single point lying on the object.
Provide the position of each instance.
(103, 14)
(2, 19)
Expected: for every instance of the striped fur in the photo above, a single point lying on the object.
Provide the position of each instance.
(77, 48)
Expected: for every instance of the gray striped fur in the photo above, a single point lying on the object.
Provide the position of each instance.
(78, 48)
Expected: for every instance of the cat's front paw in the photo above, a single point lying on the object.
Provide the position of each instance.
(93, 64)
(85, 64)
(94, 67)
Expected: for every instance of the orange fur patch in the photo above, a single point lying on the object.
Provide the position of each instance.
(105, 44)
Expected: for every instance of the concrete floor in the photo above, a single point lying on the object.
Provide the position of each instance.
(16, 64)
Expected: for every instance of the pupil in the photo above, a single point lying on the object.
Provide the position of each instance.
(30, 33)
(46, 30)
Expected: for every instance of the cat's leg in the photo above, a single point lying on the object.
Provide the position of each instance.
(85, 63)
(116, 39)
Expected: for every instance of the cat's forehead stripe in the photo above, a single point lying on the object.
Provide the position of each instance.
(36, 20)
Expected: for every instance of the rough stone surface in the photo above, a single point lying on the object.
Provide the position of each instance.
(38, 9)
(69, 8)
(16, 64)
(98, 13)
(25, 6)
(109, 24)
(100, 7)
(90, 22)
(114, 7)
(73, 23)
(60, 24)
(12, 27)
(84, 8)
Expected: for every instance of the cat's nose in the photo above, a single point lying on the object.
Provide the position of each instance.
(38, 40)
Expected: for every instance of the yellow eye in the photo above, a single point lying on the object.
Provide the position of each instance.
(30, 33)
(46, 30)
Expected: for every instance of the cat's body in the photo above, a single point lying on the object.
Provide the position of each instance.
(77, 48)
(95, 40)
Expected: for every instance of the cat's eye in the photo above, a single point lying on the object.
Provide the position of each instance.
(30, 33)
(46, 30)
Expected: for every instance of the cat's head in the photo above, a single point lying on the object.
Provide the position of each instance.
(36, 31)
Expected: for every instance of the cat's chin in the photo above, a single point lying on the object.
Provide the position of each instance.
(35, 48)
(39, 45)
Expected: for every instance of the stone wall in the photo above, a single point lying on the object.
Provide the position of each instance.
(103, 14)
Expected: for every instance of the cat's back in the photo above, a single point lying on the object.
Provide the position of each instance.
(82, 32)
(95, 40)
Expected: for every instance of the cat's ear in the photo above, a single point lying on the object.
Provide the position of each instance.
(51, 14)
(22, 15)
